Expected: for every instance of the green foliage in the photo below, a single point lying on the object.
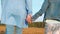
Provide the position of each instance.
(37, 24)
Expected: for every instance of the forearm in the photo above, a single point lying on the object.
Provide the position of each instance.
(34, 17)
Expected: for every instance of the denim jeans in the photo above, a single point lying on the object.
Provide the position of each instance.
(10, 30)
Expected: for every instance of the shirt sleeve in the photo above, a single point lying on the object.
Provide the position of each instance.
(41, 11)
(44, 7)
(29, 6)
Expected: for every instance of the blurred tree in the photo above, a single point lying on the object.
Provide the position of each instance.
(37, 24)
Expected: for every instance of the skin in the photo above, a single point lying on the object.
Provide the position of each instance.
(29, 18)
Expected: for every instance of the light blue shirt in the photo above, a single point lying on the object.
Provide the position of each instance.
(14, 12)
